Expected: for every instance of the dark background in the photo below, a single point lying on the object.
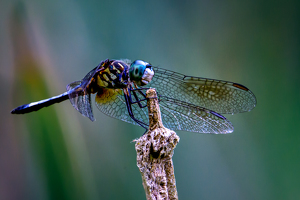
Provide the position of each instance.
(58, 154)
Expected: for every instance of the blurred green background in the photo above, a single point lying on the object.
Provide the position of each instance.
(58, 154)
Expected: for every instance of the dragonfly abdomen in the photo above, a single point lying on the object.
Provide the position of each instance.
(35, 106)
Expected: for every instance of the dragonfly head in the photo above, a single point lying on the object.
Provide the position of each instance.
(141, 72)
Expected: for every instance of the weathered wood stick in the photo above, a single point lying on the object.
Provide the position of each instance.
(154, 155)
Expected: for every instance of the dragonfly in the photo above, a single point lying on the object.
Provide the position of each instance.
(187, 103)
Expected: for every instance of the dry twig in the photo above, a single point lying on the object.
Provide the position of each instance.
(154, 155)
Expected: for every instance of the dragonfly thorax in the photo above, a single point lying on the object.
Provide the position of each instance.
(110, 74)
(141, 72)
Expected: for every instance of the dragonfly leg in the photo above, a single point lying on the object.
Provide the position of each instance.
(138, 100)
(127, 97)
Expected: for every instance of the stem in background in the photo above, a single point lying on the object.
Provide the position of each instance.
(154, 155)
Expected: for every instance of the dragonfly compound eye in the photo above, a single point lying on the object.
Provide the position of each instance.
(140, 72)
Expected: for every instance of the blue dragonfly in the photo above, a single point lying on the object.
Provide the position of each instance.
(187, 103)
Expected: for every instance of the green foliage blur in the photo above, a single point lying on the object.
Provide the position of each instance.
(56, 153)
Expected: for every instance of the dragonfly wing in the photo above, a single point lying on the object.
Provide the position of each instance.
(79, 97)
(176, 115)
(179, 115)
(221, 96)
(80, 100)
(112, 103)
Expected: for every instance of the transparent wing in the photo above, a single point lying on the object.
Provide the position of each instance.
(112, 103)
(221, 96)
(80, 100)
(79, 97)
(179, 115)
(176, 115)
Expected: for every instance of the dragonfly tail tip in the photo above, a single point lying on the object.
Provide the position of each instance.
(17, 110)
